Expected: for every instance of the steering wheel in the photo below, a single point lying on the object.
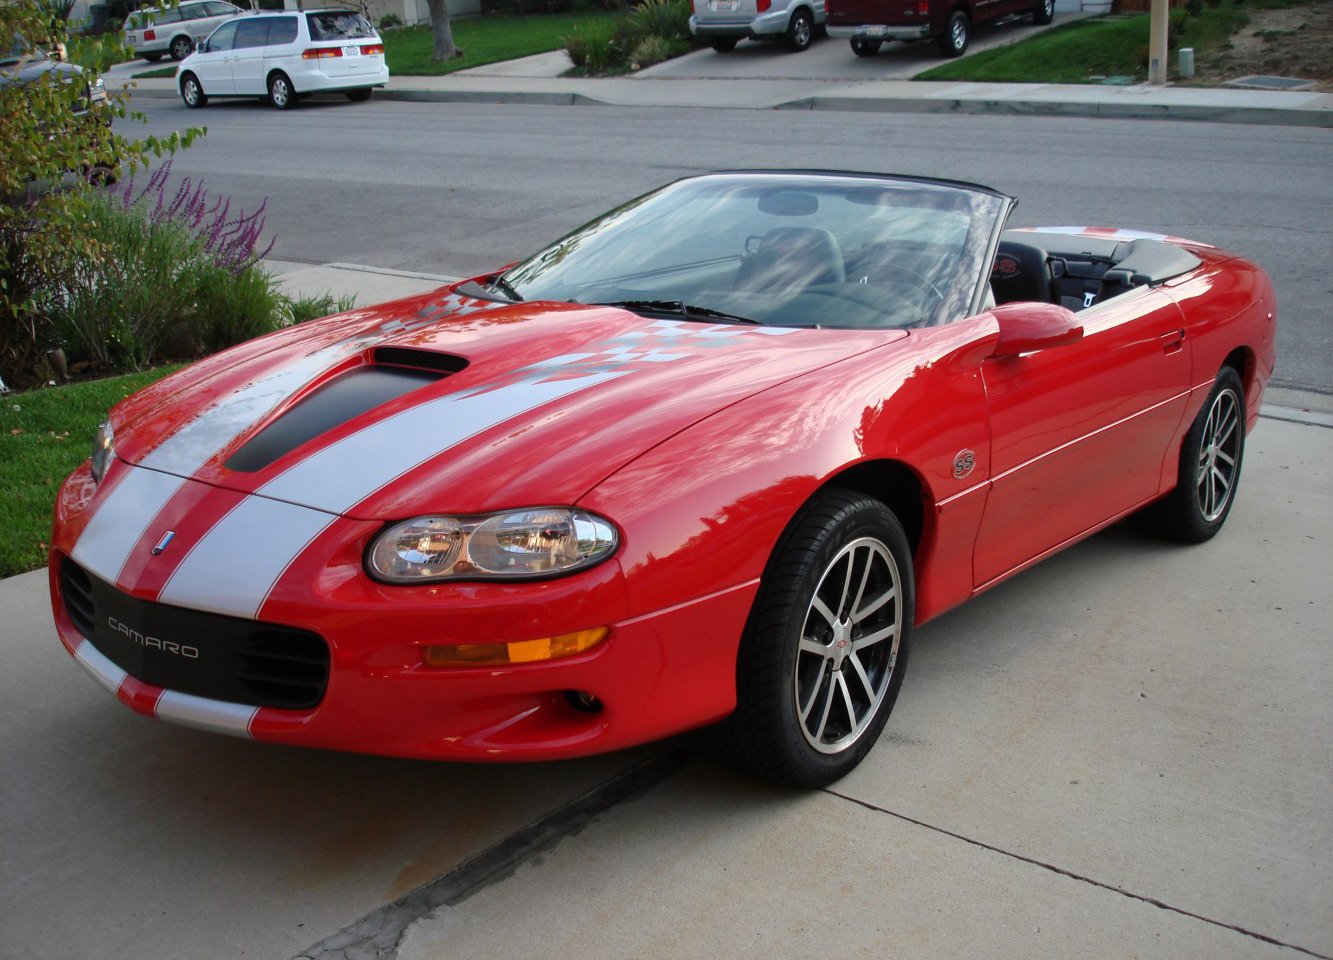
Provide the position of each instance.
(868, 272)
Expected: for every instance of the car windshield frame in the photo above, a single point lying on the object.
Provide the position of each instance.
(822, 249)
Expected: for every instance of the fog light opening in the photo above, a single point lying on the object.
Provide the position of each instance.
(583, 701)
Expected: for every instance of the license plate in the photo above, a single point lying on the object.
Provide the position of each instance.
(723, 6)
(351, 51)
(877, 30)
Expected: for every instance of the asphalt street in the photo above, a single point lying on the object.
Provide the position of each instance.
(462, 188)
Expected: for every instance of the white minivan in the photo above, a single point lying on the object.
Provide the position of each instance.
(284, 56)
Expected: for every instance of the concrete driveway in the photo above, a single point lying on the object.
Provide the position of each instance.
(831, 59)
(1123, 752)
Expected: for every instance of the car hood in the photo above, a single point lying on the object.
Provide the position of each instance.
(528, 404)
(28, 70)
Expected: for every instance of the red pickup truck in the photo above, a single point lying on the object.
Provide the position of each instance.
(870, 23)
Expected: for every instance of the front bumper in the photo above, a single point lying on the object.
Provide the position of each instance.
(880, 31)
(656, 674)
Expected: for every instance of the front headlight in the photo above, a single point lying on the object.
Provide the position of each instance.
(513, 545)
(103, 453)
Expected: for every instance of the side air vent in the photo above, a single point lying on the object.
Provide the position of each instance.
(419, 359)
(77, 592)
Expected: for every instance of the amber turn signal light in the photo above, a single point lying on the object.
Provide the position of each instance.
(520, 651)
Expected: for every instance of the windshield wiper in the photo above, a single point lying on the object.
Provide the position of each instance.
(677, 308)
(504, 286)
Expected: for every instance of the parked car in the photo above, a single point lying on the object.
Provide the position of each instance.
(23, 63)
(724, 23)
(868, 24)
(285, 56)
(161, 31)
(706, 460)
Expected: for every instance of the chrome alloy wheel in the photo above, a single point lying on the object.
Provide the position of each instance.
(801, 32)
(958, 33)
(849, 645)
(1219, 456)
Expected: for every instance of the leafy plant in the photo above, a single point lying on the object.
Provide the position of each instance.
(592, 46)
(389, 21)
(654, 49)
(668, 19)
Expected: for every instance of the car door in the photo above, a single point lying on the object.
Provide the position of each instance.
(282, 45)
(1079, 433)
(212, 65)
(247, 62)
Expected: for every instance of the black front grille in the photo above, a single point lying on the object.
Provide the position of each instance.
(205, 654)
(420, 359)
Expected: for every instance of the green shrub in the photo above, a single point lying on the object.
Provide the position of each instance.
(389, 21)
(668, 19)
(654, 49)
(592, 46)
(312, 308)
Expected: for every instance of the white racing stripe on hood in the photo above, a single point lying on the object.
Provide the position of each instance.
(345, 473)
(231, 570)
(115, 528)
(194, 444)
(234, 566)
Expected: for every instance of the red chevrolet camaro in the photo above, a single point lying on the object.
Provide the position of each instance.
(705, 461)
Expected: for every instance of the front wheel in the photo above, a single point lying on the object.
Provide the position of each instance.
(280, 92)
(956, 35)
(800, 31)
(723, 44)
(1209, 470)
(823, 655)
(865, 48)
(1044, 13)
(192, 93)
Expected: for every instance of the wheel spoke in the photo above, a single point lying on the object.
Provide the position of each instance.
(814, 646)
(828, 704)
(1227, 428)
(883, 633)
(846, 584)
(822, 608)
(861, 590)
(814, 694)
(1229, 461)
(861, 675)
(847, 701)
(1221, 479)
(888, 594)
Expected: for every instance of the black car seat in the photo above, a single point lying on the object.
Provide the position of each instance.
(1022, 273)
(789, 259)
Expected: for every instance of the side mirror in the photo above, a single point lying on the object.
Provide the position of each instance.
(201, 46)
(1027, 327)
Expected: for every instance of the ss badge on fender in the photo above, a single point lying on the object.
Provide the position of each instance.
(963, 464)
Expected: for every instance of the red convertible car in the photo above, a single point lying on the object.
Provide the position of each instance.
(705, 461)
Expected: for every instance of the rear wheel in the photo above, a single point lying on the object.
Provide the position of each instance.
(1044, 13)
(1210, 459)
(192, 93)
(865, 48)
(181, 47)
(723, 44)
(152, 57)
(800, 31)
(956, 35)
(826, 646)
(359, 96)
(280, 92)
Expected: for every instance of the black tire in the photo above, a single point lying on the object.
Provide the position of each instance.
(1044, 12)
(792, 649)
(865, 48)
(181, 47)
(360, 96)
(152, 57)
(723, 44)
(957, 34)
(1206, 483)
(800, 31)
(192, 92)
(281, 93)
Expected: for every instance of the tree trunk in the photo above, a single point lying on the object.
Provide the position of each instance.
(442, 30)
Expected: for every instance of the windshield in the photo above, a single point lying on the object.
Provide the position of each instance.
(339, 26)
(18, 49)
(783, 249)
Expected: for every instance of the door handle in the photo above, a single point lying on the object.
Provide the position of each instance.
(1172, 342)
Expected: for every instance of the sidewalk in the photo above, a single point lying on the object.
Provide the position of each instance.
(1216, 105)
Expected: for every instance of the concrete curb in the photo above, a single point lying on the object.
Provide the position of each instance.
(1042, 108)
(910, 105)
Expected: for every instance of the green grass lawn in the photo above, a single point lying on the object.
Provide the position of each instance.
(484, 39)
(44, 434)
(157, 72)
(1089, 50)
